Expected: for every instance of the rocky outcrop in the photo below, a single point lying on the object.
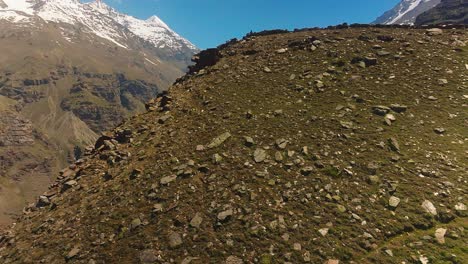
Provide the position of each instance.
(103, 101)
(15, 130)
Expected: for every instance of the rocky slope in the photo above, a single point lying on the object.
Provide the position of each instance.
(406, 12)
(69, 71)
(447, 12)
(339, 145)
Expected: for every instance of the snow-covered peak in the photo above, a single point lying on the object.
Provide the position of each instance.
(98, 18)
(406, 11)
(153, 30)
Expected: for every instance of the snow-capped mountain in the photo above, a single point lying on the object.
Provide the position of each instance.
(406, 12)
(98, 18)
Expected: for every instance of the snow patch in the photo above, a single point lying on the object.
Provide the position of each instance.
(402, 12)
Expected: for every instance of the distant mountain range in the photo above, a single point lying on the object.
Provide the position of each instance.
(98, 18)
(421, 12)
(68, 72)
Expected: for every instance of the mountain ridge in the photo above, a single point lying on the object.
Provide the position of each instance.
(71, 72)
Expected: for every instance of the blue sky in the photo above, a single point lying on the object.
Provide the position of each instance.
(208, 23)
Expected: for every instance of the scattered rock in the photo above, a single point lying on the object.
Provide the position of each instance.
(175, 240)
(393, 144)
(393, 202)
(370, 61)
(307, 171)
(281, 51)
(442, 81)
(380, 110)
(225, 215)
(383, 53)
(440, 235)
(219, 140)
(168, 179)
(429, 207)
(323, 231)
(73, 253)
(217, 159)
(43, 201)
(434, 31)
(249, 142)
(68, 185)
(196, 220)
(233, 260)
(259, 155)
(148, 256)
(460, 207)
(439, 130)
(398, 108)
(135, 223)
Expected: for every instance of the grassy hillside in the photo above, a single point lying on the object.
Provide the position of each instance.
(337, 146)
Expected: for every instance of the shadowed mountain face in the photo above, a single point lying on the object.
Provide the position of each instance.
(447, 12)
(318, 146)
(69, 71)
